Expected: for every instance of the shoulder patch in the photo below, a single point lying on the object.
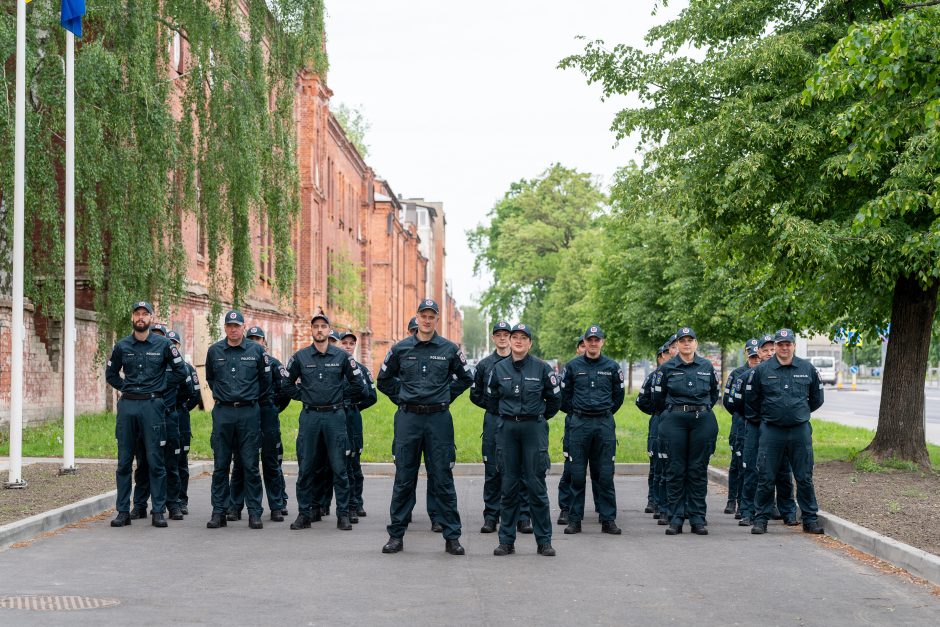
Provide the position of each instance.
(553, 379)
(174, 351)
(284, 372)
(463, 358)
(266, 359)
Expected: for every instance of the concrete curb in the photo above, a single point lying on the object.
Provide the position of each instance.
(27, 528)
(384, 469)
(917, 562)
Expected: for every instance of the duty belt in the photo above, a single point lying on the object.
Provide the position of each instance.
(592, 413)
(425, 409)
(136, 396)
(235, 403)
(335, 407)
(688, 408)
(518, 418)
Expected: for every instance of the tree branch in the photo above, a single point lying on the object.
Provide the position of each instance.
(920, 5)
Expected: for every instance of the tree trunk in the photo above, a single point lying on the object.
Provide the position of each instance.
(900, 431)
(630, 377)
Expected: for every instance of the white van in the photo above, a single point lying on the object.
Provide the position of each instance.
(826, 366)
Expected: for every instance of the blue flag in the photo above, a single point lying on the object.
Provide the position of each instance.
(72, 12)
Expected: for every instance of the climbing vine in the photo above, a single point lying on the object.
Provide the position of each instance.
(212, 137)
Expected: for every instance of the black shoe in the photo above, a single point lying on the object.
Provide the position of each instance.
(813, 527)
(317, 515)
(342, 522)
(324, 511)
(744, 522)
(663, 520)
(777, 515)
(609, 526)
(759, 528)
(277, 516)
(185, 510)
(657, 515)
(437, 527)
(524, 526)
(700, 530)
(394, 545)
(353, 518)
(489, 526)
(284, 512)
(361, 513)
(176, 514)
(650, 508)
(729, 507)
(233, 515)
(673, 530)
(453, 547)
(573, 527)
(546, 550)
(504, 549)
(737, 515)
(138, 513)
(563, 517)
(217, 520)
(123, 519)
(254, 522)
(158, 520)
(302, 522)
(791, 522)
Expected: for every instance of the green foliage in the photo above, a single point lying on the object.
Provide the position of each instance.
(346, 293)
(140, 168)
(476, 329)
(355, 124)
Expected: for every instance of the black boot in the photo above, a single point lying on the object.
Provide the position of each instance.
(353, 517)
(233, 514)
(176, 514)
(277, 516)
(342, 522)
(394, 545)
(744, 522)
(524, 526)
(504, 549)
(361, 513)
(609, 526)
(673, 529)
(489, 526)
(650, 508)
(700, 530)
(759, 528)
(123, 519)
(158, 520)
(185, 510)
(813, 527)
(546, 550)
(284, 512)
(563, 517)
(453, 547)
(729, 507)
(437, 527)
(217, 520)
(254, 522)
(139, 513)
(573, 527)
(302, 522)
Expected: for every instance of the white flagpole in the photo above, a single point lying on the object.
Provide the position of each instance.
(68, 337)
(18, 332)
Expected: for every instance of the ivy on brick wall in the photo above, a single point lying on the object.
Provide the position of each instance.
(346, 294)
(139, 167)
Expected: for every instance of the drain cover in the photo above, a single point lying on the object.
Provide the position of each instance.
(55, 603)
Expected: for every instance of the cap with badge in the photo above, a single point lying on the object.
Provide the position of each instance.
(429, 303)
(142, 304)
(319, 316)
(580, 340)
(502, 325)
(663, 349)
(334, 336)
(255, 332)
(174, 336)
(594, 331)
(413, 324)
(783, 335)
(522, 328)
(766, 339)
(752, 351)
(345, 334)
(158, 328)
(234, 317)
(672, 339)
(686, 332)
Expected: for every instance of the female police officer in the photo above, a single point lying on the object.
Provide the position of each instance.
(684, 391)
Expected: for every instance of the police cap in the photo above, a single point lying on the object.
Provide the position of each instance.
(174, 337)
(429, 303)
(159, 328)
(142, 304)
(594, 331)
(783, 335)
(522, 328)
(234, 317)
(345, 334)
(767, 338)
(413, 324)
(319, 316)
(502, 325)
(255, 332)
(686, 332)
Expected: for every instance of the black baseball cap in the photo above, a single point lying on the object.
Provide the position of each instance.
(767, 338)
(429, 303)
(234, 317)
(158, 327)
(594, 331)
(522, 328)
(256, 332)
(345, 334)
(320, 316)
(784, 335)
(174, 336)
(502, 325)
(413, 323)
(686, 332)
(142, 304)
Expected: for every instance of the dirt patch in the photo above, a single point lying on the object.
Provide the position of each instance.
(47, 490)
(899, 504)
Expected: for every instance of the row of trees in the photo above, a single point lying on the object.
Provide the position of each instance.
(790, 170)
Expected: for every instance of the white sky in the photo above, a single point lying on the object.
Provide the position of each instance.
(465, 98)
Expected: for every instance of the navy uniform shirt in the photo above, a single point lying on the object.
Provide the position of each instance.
(680, 383)
(782, 395)
(527, 387)
(481, 376)
(189, 395)
(238, 373)
(324, 377)
(644, 400)
(370, 398)
(279, 389)
(422, 373)
(151, 366)
(731, 397)
(592, 385)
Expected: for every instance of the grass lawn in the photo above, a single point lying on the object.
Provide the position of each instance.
(94, 435)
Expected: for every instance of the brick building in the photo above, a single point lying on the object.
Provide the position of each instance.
(350, 222)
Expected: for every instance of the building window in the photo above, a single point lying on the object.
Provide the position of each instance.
(423, 218)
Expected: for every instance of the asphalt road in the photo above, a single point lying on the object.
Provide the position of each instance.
(188, 574)
(859, 408)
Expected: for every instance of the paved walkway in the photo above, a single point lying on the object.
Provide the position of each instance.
(191, 575)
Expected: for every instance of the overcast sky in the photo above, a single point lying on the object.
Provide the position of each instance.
(465, 98)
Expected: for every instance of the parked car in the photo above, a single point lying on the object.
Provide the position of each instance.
(826, 367)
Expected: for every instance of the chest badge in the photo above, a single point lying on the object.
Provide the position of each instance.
(690, 384)
(517, 390)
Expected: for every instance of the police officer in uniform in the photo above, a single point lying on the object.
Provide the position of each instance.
(525, 393)
(348, 341)
(492, 482)
(142, 471)
(564, 483)
(685, 390)
(730, 398)
(188, 397)
(150, 365)
(238, 372)
(644, 402)
(781, 394)
(417, 376)
(786, 505)
(592, 392)
(323, 473)
(326, 376)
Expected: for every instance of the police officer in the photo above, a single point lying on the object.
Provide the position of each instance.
(327, 375)
(322, 472)
(786, 506)
(685, 390)
(525, 393)
(188, 397)
(592, 392)
(348, 341)
(417, 376)
(644, 402)
(142, 471)
(564, 484)
(730, 399)
(430, 500)
(781, 394)
(150, 364)
(492, 480)
(239, 374)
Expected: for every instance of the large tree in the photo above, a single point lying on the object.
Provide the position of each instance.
(833, 191)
